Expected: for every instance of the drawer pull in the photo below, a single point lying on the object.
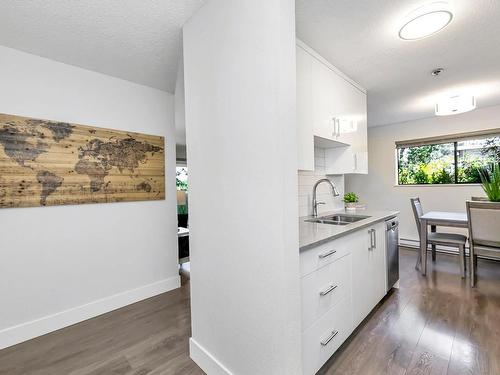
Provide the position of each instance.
(329, 338)
(328, 290)
(327, 254)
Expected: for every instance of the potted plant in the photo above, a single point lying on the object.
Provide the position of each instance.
(350, 200)
(490, 180)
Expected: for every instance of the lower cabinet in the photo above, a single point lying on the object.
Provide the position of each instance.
(325, 336)
(338, 291)
(368, 272)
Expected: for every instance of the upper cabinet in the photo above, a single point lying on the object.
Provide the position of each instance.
(331, 112)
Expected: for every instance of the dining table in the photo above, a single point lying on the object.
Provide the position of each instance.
(435, 219)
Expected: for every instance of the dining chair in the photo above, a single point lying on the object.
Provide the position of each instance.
(484, 233)
(444, 239)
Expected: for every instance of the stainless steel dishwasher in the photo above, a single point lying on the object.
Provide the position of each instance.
(392, 251)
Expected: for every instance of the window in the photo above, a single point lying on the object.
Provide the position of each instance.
(448, 160)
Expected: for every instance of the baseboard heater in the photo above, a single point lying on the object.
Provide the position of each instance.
(415, 244)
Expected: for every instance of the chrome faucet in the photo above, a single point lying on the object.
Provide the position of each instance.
(315, 202)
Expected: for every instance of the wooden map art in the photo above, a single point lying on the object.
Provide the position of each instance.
(46, 163)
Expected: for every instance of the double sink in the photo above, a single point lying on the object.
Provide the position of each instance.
(338, 219)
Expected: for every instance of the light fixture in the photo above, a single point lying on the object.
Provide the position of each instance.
(426, 21)
(455, 104)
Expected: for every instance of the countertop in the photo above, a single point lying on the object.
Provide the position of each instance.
(313, 234)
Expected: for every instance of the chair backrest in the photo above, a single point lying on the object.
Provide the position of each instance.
(417, 211)
(484, 223)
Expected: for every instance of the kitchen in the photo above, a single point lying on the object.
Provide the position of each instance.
(309, 129)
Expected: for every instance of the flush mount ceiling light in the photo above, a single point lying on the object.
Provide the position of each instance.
(455, 104)
(426, 21)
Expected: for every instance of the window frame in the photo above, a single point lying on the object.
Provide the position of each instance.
(444, 139)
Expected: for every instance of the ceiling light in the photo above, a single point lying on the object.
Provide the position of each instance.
(455, 104)
(426, 21)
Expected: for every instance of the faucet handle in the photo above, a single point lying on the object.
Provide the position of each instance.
(318, 203)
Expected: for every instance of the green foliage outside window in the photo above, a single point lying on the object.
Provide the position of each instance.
(447, 163)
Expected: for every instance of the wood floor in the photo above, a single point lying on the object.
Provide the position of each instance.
(433, 325)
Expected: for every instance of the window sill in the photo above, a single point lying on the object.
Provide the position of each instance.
(436, 185)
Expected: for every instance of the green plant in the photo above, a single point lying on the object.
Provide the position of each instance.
(351, 198)
(442, 177)
(491, 182)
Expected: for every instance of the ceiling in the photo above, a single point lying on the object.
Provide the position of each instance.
(136, 40)
(361, 39)
(140, 41)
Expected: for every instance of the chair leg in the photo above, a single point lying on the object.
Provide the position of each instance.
(472, 270)
(433, 230)
(419, 260)
(461, 251)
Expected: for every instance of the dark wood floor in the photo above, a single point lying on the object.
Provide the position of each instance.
(433, 325)
(146, 338)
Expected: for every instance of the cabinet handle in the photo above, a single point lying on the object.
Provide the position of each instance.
(329, 338)
(355, 162)
(327, 254)
(371, 232)
(328, 290)
(338, 127)
(334, 133)
(374, 239)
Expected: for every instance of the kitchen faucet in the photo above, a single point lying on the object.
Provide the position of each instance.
(314, 202)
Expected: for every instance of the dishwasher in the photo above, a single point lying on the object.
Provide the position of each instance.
(392, 251)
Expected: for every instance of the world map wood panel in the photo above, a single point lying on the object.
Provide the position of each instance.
(44, 163)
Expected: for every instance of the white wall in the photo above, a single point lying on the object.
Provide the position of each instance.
(62, 264)
(180, 112)
(378, 189)
(239, 68)
(307, 179)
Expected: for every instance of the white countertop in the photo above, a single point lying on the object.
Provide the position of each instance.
(313, 234)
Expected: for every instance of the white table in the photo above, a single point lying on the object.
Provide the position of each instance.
(434, 219)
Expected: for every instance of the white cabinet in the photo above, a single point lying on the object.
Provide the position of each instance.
(331, 108)
(368, 274)
(325, 336)
(324, 97)
(341, 282)
(346, 160)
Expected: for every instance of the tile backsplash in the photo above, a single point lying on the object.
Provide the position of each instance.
(307, 179)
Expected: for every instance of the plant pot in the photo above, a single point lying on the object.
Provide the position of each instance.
(351, 206)
(480, 199)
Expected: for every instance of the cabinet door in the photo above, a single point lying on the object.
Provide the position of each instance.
(305, 138)
(361, 277)
(323, 94)
(350, 111)
(345, 160)
(378, 263)
(368, 273)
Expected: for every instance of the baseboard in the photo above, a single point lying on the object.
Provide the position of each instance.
(207, 362)
(29, 330)
(415, 244)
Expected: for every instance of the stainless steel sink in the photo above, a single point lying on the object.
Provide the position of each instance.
(339, 219)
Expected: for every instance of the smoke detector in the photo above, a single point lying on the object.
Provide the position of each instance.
(437, 72)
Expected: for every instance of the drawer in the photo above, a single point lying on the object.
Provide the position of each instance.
(324, 288)
(323, 338)
(321, 255)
